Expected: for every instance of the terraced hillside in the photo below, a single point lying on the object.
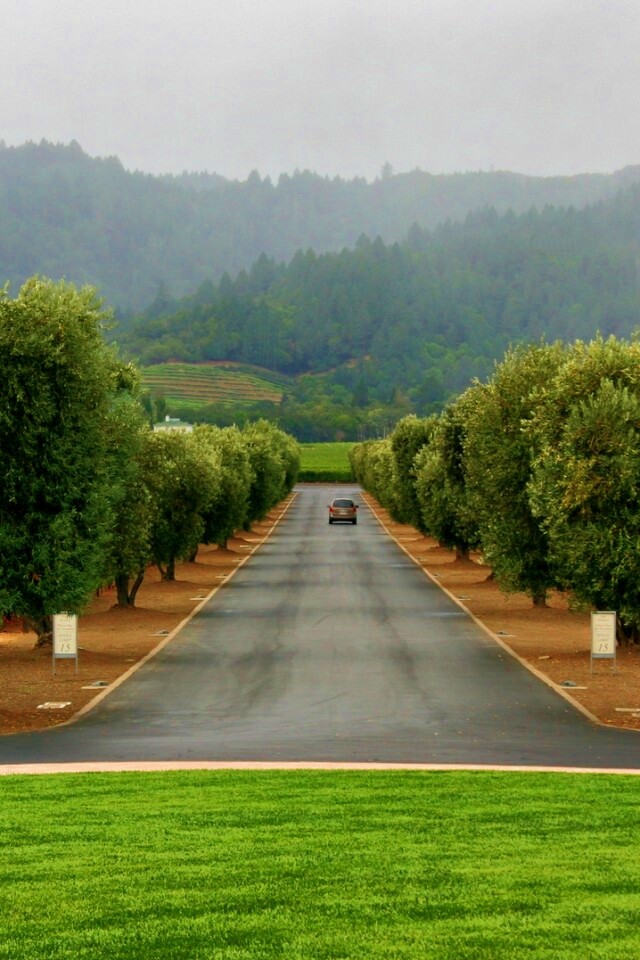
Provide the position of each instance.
(199, 384)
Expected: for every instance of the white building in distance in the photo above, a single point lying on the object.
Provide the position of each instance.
(172, 423)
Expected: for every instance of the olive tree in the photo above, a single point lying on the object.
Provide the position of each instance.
(59, 382)
(376, 471)
(585, 485)
(129, 543)
(441, 486)
(227, 512)
(498, 462)
(274, 460)
(183, 480)
(410, 436)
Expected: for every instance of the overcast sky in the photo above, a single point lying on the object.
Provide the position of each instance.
(336, 86)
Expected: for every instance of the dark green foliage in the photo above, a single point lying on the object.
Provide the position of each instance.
(395, 326)
(585, 487)
(374, 467)
(589, 489)
(128, 550)
(409, 437)
(184, 481)
(538, 468)
(89, 494)
(58, 389)
(440, 484)
(386, 468)
(499, 458)
(381, 331)
(275, 460)
(140, 238)
(330, 475)
(228, 510)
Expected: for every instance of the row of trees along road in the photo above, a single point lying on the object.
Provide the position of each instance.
(538, 469)
(90, 494)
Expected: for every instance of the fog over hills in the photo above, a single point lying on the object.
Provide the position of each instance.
(133, 235)
(406, 326)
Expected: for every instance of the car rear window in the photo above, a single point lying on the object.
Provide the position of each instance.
(343, 503)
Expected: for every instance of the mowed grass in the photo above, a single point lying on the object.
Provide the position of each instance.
(239, 864)
(325, 461)
(198, 384)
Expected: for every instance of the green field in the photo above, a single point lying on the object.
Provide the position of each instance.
(235, 865)
(199, 384)
(325, 462)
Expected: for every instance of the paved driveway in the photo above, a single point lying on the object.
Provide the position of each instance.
(331, 645)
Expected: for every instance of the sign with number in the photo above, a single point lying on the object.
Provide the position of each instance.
(603, 636)
(65, 635)
(65, 639)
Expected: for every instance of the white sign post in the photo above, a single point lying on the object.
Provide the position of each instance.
(603, 636)
(65, 638)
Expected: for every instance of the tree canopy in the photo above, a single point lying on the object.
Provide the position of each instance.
(90, 494)
(537, 469)
(58, 389)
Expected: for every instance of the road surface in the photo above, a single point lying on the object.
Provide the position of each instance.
(331, 645)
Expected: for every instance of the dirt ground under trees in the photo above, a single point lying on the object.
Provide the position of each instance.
(554, 641)
(111, 640)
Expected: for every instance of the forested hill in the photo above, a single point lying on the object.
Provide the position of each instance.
(421, 317)
(63, 213)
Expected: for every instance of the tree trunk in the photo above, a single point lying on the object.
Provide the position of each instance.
(122, 590)
(170, 572)
(193, 555)
(43, 627)
(137, 583)
(627, 633)
(462, 553)
(540, 599)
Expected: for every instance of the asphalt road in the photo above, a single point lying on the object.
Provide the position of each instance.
(331, 645)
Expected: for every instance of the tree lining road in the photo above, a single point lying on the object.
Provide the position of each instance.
(331, 645)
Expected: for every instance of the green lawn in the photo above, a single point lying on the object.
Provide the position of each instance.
(302, 865)
(326, 462)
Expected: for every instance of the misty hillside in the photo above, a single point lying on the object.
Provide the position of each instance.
(421, 317)
(63, 213)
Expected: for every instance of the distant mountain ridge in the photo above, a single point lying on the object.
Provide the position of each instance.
(135, 236)
(417, 319)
